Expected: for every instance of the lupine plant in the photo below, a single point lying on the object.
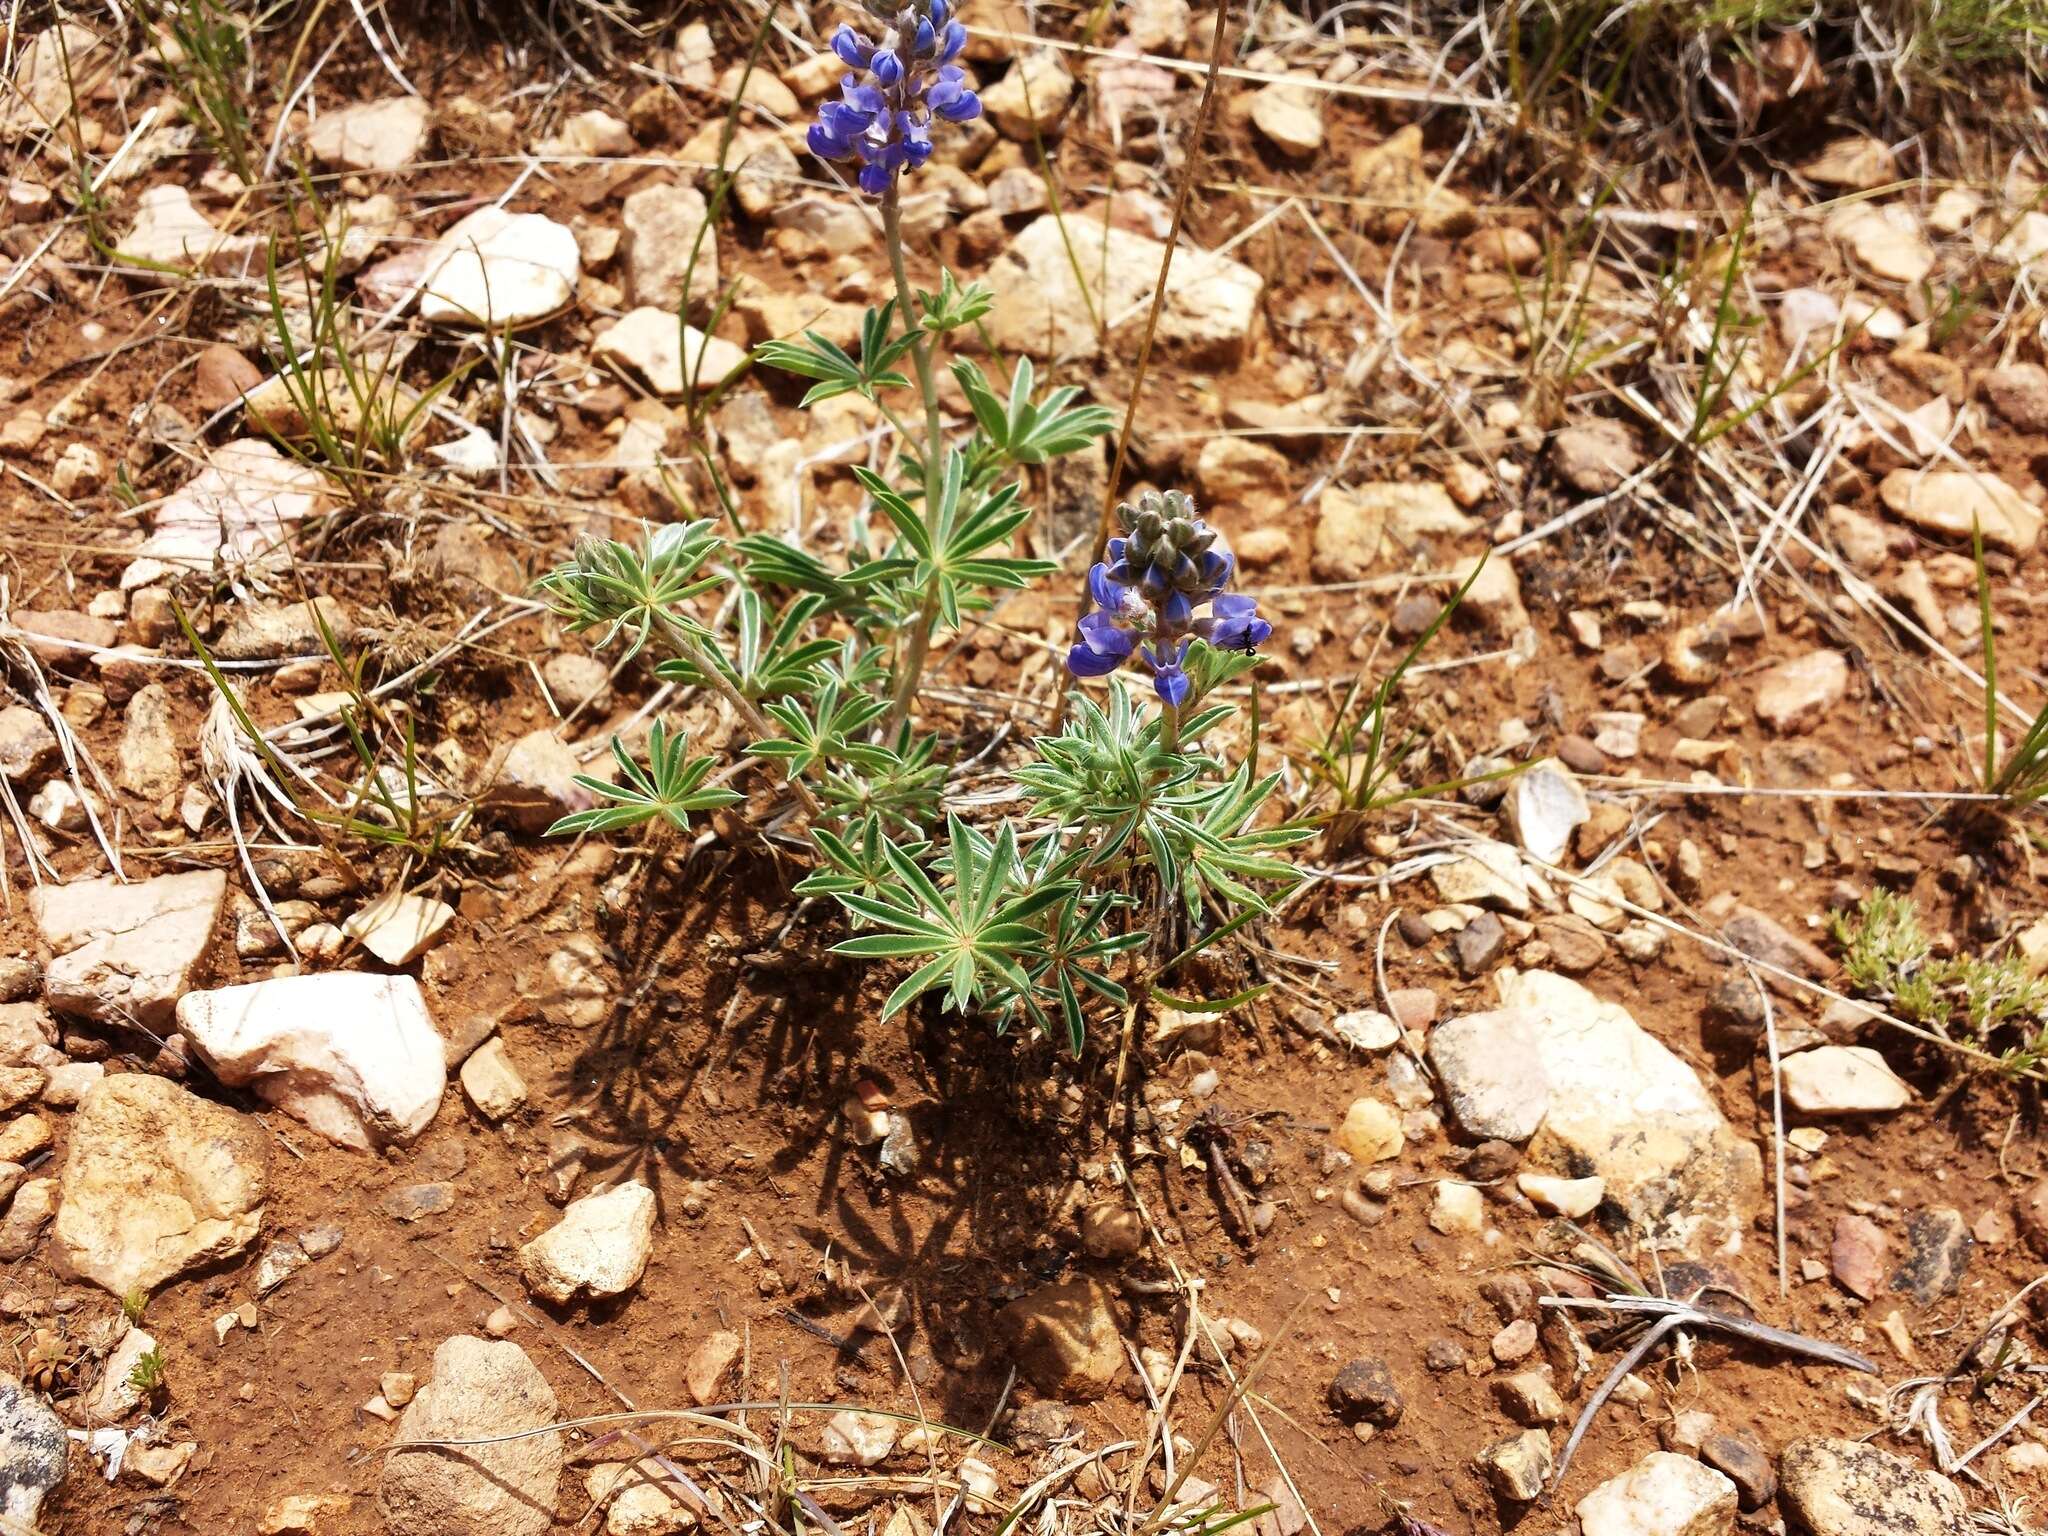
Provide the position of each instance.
(1133, 837)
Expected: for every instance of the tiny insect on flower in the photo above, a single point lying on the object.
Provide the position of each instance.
(884, 113)
(1156, 576)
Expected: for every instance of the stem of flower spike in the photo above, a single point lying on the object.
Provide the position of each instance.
(910, 666)
(1169, 727)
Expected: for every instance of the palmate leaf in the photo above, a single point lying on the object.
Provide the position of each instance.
(975, 935)
(632, 590)
(818, 357)
(953, 306)
(950, 546)
(760, 660)
(668, 787)
(1022, 431)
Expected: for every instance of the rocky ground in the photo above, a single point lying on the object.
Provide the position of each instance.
(345, 1113)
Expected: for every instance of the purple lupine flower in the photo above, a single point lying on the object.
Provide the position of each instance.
(884, 113)
(1147, 591)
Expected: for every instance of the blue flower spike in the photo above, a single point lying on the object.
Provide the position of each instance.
(1148, 591)
(898, 84)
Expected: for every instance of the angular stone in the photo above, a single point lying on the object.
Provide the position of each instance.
(1795, 696)
(1396, 188)
(33, 1451)
(1349, 527)
(239, 510)
(1491, 1068)
(382, 135)
(1065, 1339)
(705, 1372)
(352, 1054)
(27, 744)
(1661, 1495)
(123, 952)
(1886, 241)
(1857, 1255)
(1290, 118)
(170, 231)
(1562, 1197)
(1485, 874)
(1849, 1488)
(156, 1181)
(599, 1248)
(659, 231)
(479, 1389)
(1624, 1108)
(640, 1498)
(1040, 309)
(1031, 98)
(1364, 1392)
(399, 927)
(672, 358)
(495, 269)
(1596, 457)
(1842, 1080)
(535, 782)
(1516, 1468)
(1950, 501)
(1544, 806)
(1938, 1248)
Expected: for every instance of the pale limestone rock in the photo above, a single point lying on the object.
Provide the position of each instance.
(352, 1054)
(382, 135)
(122, 952)
(495, 269)
(599, 1248)
(654, 346)
(156, 1181)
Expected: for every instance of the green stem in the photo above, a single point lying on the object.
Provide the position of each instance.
(680, 641)
(910, 667)
(1169, 727)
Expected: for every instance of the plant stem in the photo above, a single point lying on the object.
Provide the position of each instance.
(680, 642)
(1169, 727)
(910, 666)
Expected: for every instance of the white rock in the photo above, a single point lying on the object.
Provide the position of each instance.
(2026, 243)
(1950, 501)
(32, 1448)
(170, 231)
(239, 510)
(1030, 100)
(1855, 163)
(1804, 312)
(1458, 1210)
(1796, 695)
(1544, 806)
(115, 1397)
(1625, 1108)
(1290, 118)
(1485, 874)
(589, 135)
(122, 952)
(851, 1438)
(1664, 1494)
(399, 927)
(653, 345)
(640, 1498)
(353, 1055)
(491, 1082)
(659, 231)
(370, 135)
(1886, 241)
(600, 1246)
(1040, 309)
(156, 1181)
(497, 269)
(1842, 1080)
(479, 1389)
(1562, 1197)
(1366, 1029)
(1491, 1068)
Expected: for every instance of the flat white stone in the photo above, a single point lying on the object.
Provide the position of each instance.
(496, 269)
(352, 1054)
